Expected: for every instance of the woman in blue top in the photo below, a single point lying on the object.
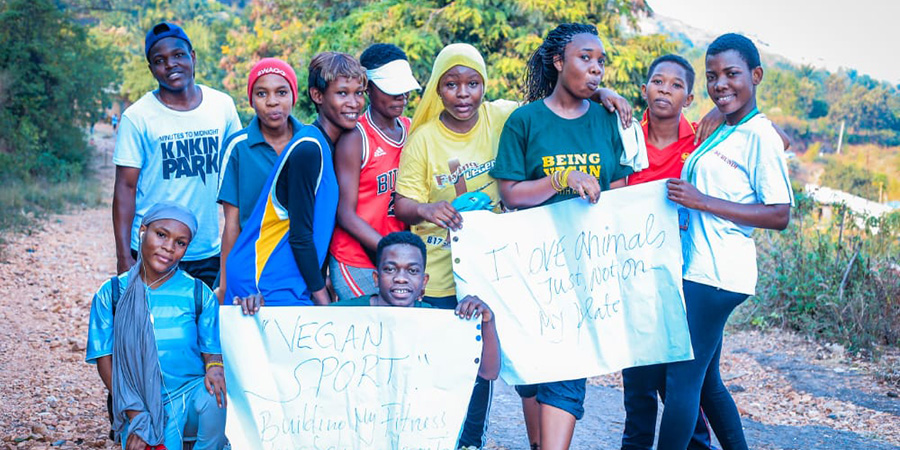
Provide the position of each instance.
(737, 180)
(160, 357)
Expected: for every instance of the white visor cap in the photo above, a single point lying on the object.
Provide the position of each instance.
(394, 78)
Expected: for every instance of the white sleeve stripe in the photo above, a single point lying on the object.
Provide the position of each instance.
(365, 146)
(226, 157)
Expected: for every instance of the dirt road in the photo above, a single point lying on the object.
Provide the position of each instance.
(792, 394)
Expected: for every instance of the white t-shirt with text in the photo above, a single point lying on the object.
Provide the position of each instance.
(747, 167)
(178, 154)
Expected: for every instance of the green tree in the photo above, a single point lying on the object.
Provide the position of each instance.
(125, 23)
(505, 31)
(790, 93)
(853, 179)
(52, 84)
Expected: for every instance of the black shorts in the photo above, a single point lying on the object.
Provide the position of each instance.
(567, 395)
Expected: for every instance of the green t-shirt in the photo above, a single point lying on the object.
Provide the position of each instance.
(366, 300)
(536, 142)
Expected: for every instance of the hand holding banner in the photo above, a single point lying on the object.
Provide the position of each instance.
(348, 378)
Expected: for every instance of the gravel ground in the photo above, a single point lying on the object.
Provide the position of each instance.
(792, 393)
(601, 428)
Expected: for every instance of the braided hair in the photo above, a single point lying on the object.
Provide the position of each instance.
(541, 75)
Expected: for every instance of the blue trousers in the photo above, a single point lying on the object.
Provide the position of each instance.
(642, 385)
(475, 426)
(193, 413)
(690, 384)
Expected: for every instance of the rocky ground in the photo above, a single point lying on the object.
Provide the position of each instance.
(792, 393)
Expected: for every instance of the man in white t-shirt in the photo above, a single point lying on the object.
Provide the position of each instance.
(167, 149)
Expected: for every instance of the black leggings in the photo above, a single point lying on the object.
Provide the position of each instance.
(690, 384)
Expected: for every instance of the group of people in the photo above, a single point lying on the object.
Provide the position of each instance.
(317, 214)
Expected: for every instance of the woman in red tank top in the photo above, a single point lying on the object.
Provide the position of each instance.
(366, 161)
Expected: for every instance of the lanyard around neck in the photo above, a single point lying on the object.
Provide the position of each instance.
(721, 133)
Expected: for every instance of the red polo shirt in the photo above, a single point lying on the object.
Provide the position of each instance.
(667, 162)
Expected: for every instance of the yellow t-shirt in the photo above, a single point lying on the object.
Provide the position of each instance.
(439, 164)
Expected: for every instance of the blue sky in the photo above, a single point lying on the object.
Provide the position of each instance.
(859, 34)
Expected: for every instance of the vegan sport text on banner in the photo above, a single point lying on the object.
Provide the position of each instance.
(348, 378)
(577, 289)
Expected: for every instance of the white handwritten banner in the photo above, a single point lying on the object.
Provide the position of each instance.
(577, 289)
(348, 377)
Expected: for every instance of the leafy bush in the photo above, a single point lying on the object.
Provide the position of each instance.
(870, 171)
(834, 278)
(51, 86)
(23, 204)
(52, 81)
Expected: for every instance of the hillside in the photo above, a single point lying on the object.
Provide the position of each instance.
(811, 104)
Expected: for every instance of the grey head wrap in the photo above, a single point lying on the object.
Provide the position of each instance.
(136, 378)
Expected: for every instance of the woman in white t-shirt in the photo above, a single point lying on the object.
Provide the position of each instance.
(737, 180)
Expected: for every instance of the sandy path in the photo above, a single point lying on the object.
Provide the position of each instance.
(47, 393)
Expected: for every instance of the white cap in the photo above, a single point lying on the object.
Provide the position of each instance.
(394, 78)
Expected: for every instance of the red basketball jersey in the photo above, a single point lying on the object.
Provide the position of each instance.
(377, 179)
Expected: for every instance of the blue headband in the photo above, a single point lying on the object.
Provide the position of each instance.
(174, 211)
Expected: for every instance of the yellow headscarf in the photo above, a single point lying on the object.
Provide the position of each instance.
(452, 55)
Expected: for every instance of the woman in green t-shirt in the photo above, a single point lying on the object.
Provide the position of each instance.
(559, 145)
